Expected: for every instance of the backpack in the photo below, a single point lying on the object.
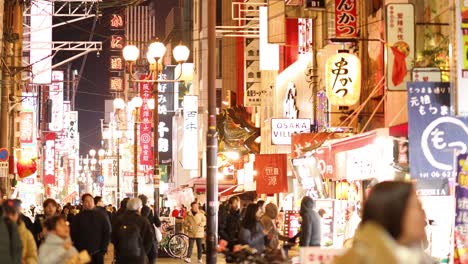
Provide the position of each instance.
(130, 242)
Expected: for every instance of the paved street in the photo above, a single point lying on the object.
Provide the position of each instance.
(220, 260)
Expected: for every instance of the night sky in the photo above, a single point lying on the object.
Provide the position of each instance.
(93, 87)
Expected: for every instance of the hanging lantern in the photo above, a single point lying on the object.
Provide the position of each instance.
(343, 79)
(26, 167)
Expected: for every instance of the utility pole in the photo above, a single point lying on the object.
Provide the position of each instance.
(3, 102)
(212, 141)
(11, 54)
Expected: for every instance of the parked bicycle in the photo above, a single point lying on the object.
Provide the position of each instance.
(174, 244)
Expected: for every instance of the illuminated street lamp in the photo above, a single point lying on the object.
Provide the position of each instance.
(156, 51)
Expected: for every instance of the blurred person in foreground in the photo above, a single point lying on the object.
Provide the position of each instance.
(90, 230)
(57, 247)
(392, 227)
(252, 232)
(12, 211)
(10, 240)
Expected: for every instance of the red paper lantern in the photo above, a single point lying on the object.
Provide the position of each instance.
(26, 167)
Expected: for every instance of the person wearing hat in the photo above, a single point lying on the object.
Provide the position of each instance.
(12, 211)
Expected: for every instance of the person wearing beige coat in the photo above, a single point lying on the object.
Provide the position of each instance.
(29, 254)
(194, 226)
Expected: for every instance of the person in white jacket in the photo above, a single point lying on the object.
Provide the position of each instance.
(57, 247)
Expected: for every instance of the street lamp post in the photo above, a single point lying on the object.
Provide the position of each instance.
(156, 51)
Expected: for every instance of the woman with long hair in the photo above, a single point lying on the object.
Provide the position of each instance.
(252, 232)
(392, 227)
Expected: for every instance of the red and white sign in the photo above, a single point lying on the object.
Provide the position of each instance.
(400, 48)
(49, 159)
(26, 127)
(346, 18)
(318, 255)
(56, 95)
(146, 135)
(271, 173)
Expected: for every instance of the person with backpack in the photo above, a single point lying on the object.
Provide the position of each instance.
(155, 223)
(10, 241)
(132, 235)
(90, 230)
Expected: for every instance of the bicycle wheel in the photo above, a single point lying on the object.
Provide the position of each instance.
(178, 245)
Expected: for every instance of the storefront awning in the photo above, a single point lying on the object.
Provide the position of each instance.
(199, 185)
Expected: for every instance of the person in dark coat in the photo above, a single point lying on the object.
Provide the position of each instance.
(102, 208)
(50, 209)
(122, 208)
(230, 228)
(90, 230)
(153, 219)
(310, 234)
(132, 217)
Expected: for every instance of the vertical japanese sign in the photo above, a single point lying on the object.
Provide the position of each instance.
(462, 61)
(56, 95)
(306, 34)
(271, 173)
(434, 136)
(49, 159)
(343, 79)
(346, 18)
(72, 131)
(146, 155)
(269, 53)
(400, 51)
(116, 44)
(166, 112)
(26, 127)
(461, 211)
(190, 148)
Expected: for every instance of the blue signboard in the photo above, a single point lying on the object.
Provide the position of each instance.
(4, 154)
(435, 137)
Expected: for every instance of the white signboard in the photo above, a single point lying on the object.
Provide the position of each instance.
(317, 255)
(269, 53)
(427, 75)
(400, 49)
(282, 129)
(56, 95)
(190, 148)
(41, 41)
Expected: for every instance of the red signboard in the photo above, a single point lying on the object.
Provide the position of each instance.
(271, 173)
(146, 155)
(345, 18)
(49, 159)
(26, 127)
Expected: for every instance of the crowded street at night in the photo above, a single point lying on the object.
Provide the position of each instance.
(234, 131)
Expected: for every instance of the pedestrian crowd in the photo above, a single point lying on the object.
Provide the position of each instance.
(76, 235)
(390, 229)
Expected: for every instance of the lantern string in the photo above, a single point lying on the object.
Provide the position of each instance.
(361, 106)
(374, 112)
